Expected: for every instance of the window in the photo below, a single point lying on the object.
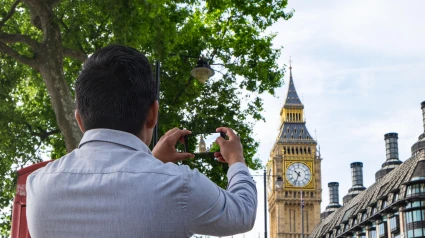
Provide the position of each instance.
(374, 210)
(414, 219)
(384, 204)
(416, 190)
(295, 130)
(302, 131)
(372, 233)
(394, 224)
(383, 229)
(364, 216)
(395, 198)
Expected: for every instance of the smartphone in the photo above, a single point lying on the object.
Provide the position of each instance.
(204, 142)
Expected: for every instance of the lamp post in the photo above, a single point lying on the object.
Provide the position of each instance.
(202, 72)
(279, 183)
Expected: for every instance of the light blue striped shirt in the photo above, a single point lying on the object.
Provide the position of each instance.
(112, 186)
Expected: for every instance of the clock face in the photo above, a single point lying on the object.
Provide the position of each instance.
(298, 174)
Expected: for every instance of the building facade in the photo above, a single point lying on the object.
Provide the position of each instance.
(394, 206)
(294, 209)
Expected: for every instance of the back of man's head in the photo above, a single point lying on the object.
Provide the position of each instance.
(115, 90)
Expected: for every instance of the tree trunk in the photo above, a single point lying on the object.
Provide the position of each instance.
(62, 101)
(50, 64)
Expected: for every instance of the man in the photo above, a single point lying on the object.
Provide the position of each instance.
(112, 185)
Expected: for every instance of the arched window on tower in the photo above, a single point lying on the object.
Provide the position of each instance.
(309, 151)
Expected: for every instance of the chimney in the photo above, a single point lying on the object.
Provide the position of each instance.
(357, 178)
(420, 144)
(333, 193)
(333, 200)
(391, 146)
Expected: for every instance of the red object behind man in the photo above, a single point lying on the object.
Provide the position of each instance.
(19, 218)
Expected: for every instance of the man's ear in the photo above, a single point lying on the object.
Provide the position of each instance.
(152, 116)
(79, 121)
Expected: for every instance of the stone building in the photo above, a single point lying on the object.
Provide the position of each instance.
(294, 208)
(394, 206)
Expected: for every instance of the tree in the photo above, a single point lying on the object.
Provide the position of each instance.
(44, 42)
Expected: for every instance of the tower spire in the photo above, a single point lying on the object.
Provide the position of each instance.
(292, 98)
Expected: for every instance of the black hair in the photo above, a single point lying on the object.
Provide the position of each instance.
(115, 89)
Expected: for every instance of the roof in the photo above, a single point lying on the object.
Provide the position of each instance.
(292, 98)
(362, 202)
(294, 132)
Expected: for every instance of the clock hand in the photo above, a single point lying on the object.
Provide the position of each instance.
(298, 174)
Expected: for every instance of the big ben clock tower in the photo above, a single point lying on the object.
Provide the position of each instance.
(295, 208)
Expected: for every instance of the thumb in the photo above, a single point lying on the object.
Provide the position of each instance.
(183, 156)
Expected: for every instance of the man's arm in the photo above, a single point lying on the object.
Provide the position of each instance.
(212, 210)
(207, 208)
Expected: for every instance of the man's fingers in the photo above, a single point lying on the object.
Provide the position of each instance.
(229, 132)
(175, 136)
(171, 131)
(219, 157)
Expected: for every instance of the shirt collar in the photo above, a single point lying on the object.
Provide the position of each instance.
(116, 137)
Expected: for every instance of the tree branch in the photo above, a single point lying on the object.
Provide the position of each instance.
(14, 38)
(75, 54)
(18, 57)
(46, 134)
(10, 13)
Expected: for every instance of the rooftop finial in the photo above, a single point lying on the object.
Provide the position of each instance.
(290, 63)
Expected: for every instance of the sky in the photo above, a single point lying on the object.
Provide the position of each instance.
(359, 68)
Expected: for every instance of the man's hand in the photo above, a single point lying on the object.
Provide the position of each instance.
(165, 149)
(230, 150)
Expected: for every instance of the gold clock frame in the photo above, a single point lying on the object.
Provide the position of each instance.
(310, 185)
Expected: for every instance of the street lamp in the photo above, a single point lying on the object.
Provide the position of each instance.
(202, 72)
(279, 185)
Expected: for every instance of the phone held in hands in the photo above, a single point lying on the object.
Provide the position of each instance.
(204, 142)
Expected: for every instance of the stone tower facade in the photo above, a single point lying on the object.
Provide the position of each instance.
(202, 146)
(295, 207)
